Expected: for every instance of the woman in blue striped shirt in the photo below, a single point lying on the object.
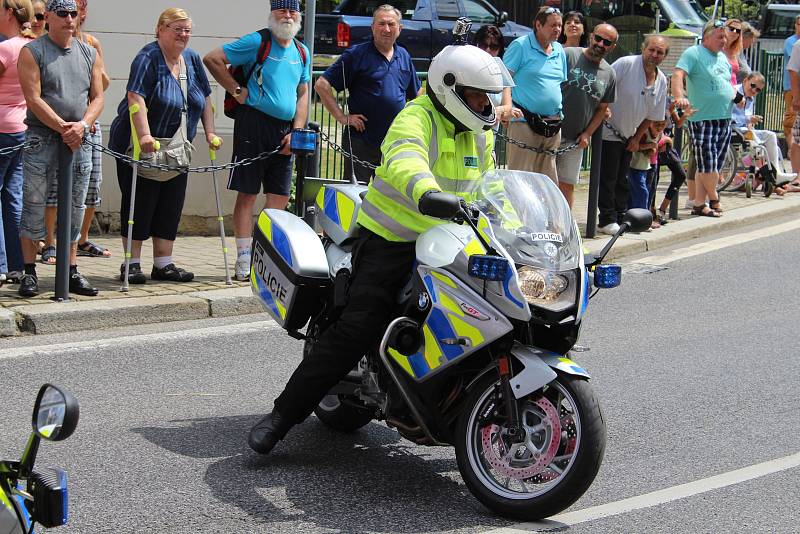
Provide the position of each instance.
(154, 85)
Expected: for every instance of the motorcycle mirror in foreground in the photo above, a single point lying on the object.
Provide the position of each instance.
(638, 220)
(44, 497)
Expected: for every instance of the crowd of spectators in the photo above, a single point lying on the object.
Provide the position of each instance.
(564, 91)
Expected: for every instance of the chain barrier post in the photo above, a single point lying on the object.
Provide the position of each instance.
(64, 221)
(594, 183)
(212, 154)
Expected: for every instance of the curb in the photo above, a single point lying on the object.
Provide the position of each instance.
(55, 318)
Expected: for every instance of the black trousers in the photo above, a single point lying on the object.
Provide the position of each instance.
(362, 151)
(380, 270)
(613, 199)
(672, 159)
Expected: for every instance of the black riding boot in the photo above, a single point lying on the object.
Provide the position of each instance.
(268, 432)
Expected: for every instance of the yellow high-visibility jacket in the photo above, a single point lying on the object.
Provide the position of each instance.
(421, 151)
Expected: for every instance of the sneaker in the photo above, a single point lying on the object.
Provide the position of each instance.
(29, 285)
(171, 273)
(79, 285)
(135, 274)
(689, 204)
(609, 229)
(242, 269)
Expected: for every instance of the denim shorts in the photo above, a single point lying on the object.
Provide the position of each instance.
(93, 197)
(40, 173)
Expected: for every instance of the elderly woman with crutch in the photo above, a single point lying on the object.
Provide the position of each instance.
(168, 93)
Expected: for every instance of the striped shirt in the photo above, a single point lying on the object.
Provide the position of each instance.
(150, 77)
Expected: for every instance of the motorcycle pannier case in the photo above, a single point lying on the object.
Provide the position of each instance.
(289, 273)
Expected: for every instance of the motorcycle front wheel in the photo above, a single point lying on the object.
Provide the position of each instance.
(546, 470)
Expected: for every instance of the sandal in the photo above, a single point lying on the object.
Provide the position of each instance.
(662, 217)
(714, 205)
(87, 248)
(49, 255)
(705, 211)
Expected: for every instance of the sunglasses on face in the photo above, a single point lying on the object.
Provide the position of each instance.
(489, 46)
(756, 88)
(62, 14)
(606, 42)
(734, 30)
(551, 10)
(39, 16)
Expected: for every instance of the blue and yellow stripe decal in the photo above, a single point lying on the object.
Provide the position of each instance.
(273, 306)
(338, 207)
(277, 237)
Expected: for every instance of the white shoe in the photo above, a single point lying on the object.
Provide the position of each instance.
(782, 178)
(689, 204)
(609, 229)
(242, 269)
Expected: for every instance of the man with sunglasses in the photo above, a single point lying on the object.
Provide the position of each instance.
(702, 80)
(62, 81)
(589, 89)
(641, 99)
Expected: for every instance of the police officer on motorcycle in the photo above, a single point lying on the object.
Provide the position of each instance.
(437, 147)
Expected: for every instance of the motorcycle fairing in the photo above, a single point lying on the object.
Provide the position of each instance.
(337, 210)
(9, 516)
(535, 374)
(562, 363)
(449, 246)
(583, 298)
(459, 323)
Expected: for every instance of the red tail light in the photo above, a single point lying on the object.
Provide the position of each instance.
(343, 35)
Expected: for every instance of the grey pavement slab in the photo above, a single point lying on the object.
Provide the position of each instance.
(229, 302)
(8, 323)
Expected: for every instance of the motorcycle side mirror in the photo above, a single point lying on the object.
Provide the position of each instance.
(55, 414)
(638, 219)
(439, 204)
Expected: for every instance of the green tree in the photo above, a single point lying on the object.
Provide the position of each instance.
(747, 10)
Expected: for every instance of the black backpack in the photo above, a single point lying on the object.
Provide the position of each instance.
(230, 104)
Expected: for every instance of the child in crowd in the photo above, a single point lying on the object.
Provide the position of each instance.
(670, 157)
(662, 141)
(638, 194)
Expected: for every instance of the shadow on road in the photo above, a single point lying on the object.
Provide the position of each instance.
(370, 480)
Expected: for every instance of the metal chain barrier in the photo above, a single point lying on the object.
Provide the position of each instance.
(208, 168)
(22, 146)
(345, 153)
(616, 132)
(538, 150)
(561, 150)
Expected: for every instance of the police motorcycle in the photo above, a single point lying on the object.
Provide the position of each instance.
(477, 356)
(31, 496)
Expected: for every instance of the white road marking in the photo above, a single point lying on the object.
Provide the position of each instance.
(656, 498)
(717, 244)
(137, 339)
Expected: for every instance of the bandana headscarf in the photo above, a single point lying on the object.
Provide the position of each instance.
(294, 5)
(65, 5)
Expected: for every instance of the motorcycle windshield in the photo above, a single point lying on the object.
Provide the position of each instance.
(530, 218)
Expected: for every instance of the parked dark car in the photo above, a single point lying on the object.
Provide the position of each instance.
(427, 25)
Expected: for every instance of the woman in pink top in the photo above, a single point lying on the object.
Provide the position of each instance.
(733, 46)
(14, 14)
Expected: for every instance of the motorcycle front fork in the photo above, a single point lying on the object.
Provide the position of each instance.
(513, 423)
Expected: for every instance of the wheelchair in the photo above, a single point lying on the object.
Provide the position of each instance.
(746, 165)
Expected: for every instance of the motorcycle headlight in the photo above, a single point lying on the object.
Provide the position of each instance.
(551, 290)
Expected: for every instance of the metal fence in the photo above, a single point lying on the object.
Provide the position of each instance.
(769, 103)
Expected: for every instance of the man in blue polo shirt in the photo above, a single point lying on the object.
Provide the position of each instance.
(380, 78)
(273, 103)
(538, 65)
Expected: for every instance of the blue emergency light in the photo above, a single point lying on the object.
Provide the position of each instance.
(607, 276)
(488, 267)
(304, 141)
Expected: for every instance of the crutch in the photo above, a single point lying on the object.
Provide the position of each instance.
(213, 155)
(137, 150)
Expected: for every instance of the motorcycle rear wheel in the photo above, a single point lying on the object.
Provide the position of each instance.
(555, 466)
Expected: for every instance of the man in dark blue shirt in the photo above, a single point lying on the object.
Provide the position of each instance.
(380, 77)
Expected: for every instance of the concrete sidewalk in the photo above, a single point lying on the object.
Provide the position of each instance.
(208, 296)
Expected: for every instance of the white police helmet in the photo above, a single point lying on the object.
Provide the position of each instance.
(459, 67)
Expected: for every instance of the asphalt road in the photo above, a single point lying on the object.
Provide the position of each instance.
(697, 367)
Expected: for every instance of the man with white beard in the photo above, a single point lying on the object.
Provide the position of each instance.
(273, 102)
